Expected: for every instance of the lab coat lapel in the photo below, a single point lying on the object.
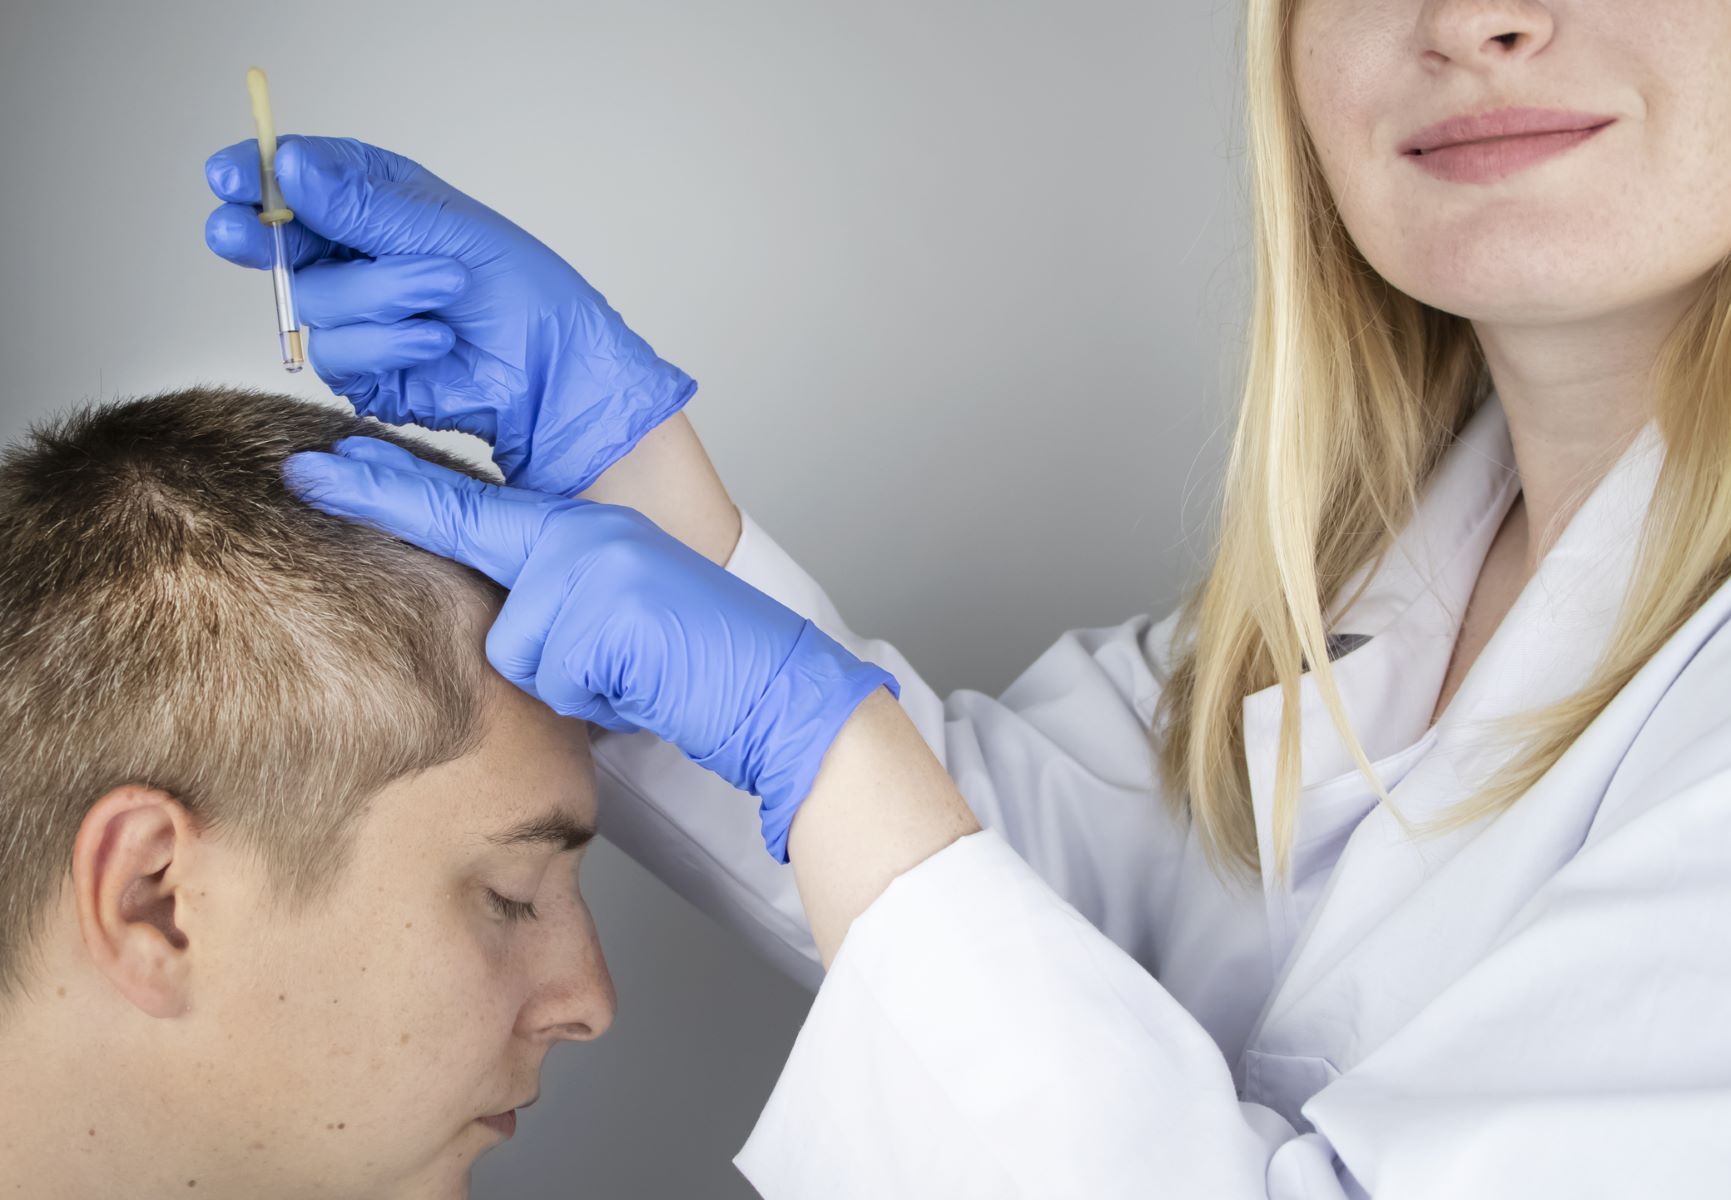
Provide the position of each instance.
(1399, 917)
(1406, 618)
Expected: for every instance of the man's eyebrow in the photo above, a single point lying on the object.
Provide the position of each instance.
(551, 828)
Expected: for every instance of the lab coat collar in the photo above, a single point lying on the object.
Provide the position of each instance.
(1544, 649)
(1355, 862)
(1460, 508)
(1403, 623)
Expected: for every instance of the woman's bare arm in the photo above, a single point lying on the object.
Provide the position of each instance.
(881, 804)
(669, 479)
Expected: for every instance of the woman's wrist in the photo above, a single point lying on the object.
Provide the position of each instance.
(881, 805)
(668, 478)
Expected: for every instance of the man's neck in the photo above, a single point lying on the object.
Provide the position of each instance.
(70, 1126)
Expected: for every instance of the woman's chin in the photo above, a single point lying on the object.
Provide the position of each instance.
(1510, 297)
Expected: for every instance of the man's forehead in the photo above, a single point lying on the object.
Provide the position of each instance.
(531, 782)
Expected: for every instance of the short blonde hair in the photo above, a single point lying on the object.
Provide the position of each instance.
(171, 616)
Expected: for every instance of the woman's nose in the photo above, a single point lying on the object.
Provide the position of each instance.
(573, 997)
(1470, 33)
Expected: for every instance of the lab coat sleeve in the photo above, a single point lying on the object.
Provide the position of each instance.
(977, 1037)
(1059, 765)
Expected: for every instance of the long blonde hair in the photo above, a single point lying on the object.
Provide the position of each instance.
(1352, 392)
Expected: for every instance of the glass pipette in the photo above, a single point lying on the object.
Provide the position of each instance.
(275, 214)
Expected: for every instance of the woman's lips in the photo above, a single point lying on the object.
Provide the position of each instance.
(1483, 147)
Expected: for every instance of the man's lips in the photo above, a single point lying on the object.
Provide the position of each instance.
(506, 1122)
(1499, 124)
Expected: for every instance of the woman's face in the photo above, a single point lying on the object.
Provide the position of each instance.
(1626, 197)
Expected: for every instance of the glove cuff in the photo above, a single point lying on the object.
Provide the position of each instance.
(777, 750)
(606, 433)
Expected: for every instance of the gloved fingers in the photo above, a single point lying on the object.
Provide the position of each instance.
(517, 642)
(519, 633)
(389, 454)
(598, 711)
(548, 641)
(232, 172)
(579, 669)
(380, 290)
(602, 713)
(561, 689)
(341, 354)
(366, 198)
(234, 232)
(408, 396)
(430, 507)
(434, 393)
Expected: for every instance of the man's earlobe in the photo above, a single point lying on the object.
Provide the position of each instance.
(125, 886)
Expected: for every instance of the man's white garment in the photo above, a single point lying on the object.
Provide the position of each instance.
(1072, 1004)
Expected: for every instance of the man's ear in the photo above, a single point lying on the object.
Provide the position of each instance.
(125, 883)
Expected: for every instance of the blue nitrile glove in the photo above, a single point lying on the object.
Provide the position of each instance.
(613, 620)
(427, 307)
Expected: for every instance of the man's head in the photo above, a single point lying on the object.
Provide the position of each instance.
(287, 873)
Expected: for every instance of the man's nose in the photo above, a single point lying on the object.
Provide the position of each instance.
(573, 997)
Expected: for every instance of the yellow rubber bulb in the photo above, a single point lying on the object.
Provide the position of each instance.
(276, 210)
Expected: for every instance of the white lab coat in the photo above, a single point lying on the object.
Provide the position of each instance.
(1071, 1004)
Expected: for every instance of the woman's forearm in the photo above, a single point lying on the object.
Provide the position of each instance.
(881, 804)
(669, 479)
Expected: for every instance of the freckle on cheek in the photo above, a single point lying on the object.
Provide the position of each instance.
(405, 1040)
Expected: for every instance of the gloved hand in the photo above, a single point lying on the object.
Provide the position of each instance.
(615, 621)
(426, 307)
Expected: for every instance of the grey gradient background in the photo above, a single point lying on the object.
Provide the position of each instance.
(961, 283)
